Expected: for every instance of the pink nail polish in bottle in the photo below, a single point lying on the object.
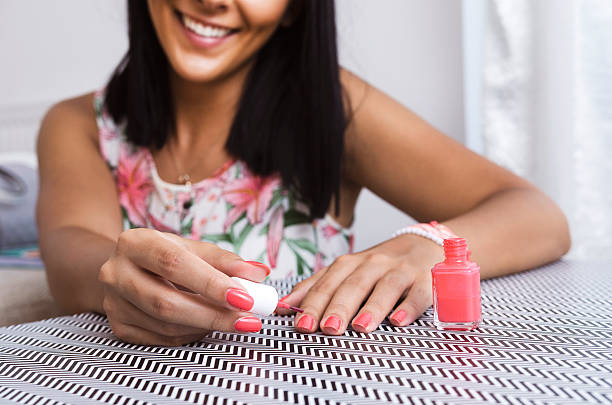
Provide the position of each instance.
(456, 288)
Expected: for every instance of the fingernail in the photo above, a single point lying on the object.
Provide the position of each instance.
(248, 324)
(306, 322)
(333, 323)
(362, 321)
(239, 299)
(260, 265)
(398, 317)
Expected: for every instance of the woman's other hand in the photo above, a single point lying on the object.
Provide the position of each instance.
(362, 289)
(161, 289)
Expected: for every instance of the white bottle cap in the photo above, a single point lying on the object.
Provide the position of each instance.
(265, 297)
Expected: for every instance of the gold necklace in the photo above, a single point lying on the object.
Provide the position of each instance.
(184, 179)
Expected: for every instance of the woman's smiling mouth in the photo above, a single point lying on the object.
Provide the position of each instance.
(204, 31)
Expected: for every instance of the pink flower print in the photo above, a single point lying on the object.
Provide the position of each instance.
(106, 116)
(251, 194)
(275, 235)
(181, 198)
(329, 231)
(134, 183)
(159, 225)
(224, 170)
(203, 187)
(318, 262)
(106, 135)
(195, 230)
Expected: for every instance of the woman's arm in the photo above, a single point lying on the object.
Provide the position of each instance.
(509, 224)
(155, 288)
(78, 211)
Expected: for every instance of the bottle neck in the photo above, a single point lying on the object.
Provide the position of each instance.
(455, 250)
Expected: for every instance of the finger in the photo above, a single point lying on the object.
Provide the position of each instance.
(350, 295)
(137, 335)
(225, 320)
(419, 298)
(294, 298)
(156, 297)
(321, 292)
(174, 262)
(223, 260)
(381, 301)
(126, 312)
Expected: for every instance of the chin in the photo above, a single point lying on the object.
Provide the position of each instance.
(200, 71)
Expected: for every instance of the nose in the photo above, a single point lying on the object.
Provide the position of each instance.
(214, 5)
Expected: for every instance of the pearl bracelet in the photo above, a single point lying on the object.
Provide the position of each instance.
(432, 231)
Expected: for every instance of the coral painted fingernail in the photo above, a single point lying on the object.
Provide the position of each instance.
(248, 324)
(306, 322)
(398, 317)
(362, 321)
(333, 323)
(239, 299)
(260, 265)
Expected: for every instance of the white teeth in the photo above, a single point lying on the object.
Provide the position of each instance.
(204, 30)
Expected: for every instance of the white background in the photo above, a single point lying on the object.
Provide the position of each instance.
(51, 50)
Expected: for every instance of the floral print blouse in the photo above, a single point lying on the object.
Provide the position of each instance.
(252, 216)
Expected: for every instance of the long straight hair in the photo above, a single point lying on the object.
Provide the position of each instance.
(291, 115)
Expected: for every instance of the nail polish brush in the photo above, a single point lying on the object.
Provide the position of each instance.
(282, 304)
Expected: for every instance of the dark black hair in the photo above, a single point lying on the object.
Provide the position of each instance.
(291, 115)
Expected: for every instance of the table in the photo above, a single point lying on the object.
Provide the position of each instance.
(546, 338)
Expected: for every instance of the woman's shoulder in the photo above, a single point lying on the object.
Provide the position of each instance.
(68, 142)
(73, 117)
(355, 90)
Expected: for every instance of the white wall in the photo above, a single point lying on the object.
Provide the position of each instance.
(57, 49)
(410, 49)
(49, 51)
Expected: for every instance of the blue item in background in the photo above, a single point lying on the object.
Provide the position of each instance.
(18, 193)
(25, 258)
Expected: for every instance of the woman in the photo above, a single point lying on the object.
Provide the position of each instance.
(230, 129)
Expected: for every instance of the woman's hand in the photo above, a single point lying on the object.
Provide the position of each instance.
(334, 297)
(161, 289)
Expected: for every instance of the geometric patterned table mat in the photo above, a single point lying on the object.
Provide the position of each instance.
(546, 337)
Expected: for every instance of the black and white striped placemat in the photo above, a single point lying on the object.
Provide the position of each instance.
(546, 338)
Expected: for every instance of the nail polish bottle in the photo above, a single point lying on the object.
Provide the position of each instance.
(456, 288)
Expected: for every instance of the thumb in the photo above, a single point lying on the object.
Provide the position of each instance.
(223, 260)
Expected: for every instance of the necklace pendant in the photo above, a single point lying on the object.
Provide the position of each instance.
(184, 179)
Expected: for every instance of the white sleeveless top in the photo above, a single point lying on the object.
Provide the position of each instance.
(252, 216)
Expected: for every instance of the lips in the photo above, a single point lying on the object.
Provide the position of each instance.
(203, 29)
